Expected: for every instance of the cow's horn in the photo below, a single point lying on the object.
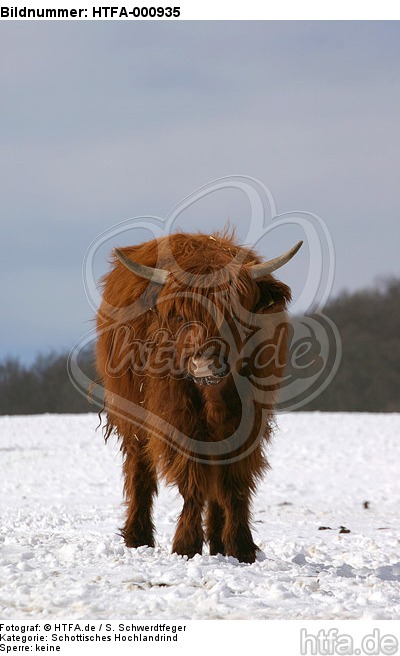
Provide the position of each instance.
(155, 275)
(262, 269)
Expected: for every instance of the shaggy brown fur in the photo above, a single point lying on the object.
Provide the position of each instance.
(169, 424)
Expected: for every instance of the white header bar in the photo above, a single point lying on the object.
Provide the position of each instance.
(199, 10)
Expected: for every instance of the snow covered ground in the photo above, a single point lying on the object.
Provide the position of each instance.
(61, 556)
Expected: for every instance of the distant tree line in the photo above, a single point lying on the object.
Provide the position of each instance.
(43, 386)
(368, 378)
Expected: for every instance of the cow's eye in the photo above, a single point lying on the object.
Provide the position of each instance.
(179, 318)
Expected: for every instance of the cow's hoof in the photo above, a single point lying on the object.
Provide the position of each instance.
(134, 540)
(187, 550)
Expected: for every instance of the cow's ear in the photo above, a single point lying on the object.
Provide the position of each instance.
(272, 294)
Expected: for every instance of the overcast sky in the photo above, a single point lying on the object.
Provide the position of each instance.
(104, 121)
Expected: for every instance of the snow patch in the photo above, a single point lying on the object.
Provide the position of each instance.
(325, 518)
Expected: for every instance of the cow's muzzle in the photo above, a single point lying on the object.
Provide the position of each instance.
(207, 370)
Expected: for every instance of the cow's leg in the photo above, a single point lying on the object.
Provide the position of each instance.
(140, 487)
(236, 535)
(214, 526)
(188, 539)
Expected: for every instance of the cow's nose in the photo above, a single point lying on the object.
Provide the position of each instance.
(201, 367)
